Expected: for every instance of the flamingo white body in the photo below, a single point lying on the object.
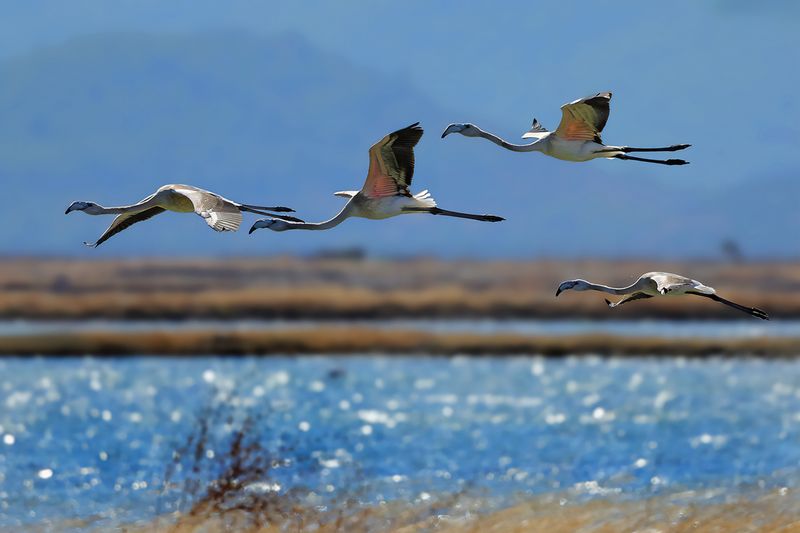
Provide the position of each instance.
(577, 137)
(571, 150)
(363, 206)
(385, 193)
(219, 213)
(658, 284)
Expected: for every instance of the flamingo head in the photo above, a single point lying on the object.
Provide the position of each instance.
(573, 284)
(90, 208)
(271, 223)
(468, 130)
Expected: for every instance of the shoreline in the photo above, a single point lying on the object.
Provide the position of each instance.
(770, 511)
(367, 341)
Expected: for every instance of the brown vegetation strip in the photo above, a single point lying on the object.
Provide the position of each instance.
(327, 289)
(326, 302)
(345, 340)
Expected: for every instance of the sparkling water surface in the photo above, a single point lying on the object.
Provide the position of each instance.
(93, 438)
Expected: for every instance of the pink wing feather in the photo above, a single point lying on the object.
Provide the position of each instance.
(391, 163)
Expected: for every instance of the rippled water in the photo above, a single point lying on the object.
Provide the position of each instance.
(745, 328)
(93, 438)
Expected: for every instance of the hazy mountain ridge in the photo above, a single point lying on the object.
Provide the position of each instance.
(275, 119)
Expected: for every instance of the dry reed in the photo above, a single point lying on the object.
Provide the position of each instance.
(326, 289)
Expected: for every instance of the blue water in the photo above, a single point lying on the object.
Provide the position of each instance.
(744, 328)
(83, 438)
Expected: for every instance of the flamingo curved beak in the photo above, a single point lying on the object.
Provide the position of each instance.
(453, 128)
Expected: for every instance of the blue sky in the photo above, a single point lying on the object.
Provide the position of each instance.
(720, 75)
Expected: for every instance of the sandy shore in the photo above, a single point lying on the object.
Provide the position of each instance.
(772, 513)
(777, 511)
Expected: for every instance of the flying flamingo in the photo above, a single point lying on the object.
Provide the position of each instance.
(658, 284)
(577, 137)
(220, 213)
(386, 191)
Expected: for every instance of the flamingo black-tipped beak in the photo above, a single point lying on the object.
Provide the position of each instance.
(451, 129)
(256, 225)
(558, 291)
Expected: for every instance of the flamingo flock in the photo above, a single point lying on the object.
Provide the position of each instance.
(386, 193)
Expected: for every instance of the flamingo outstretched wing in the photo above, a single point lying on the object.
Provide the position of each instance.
(125, 221)
(391, 163)
(584, 119)
(537, 131)
(666, 282)
(219, 213)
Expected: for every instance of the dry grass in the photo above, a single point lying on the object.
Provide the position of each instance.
(359, 340)
(298, 288)
(771, 513)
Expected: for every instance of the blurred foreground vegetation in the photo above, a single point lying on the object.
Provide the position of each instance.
(294, 288)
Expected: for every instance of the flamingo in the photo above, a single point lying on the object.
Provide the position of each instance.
(220, 213)
(386, 192)
(658, 284)
(577, 137)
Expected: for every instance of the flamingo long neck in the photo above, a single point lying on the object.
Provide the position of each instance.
(343, 215)
(614, 290)
(533, 147)
(147, 203)
(100, 210)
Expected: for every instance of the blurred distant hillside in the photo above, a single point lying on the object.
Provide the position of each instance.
(281, 118)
